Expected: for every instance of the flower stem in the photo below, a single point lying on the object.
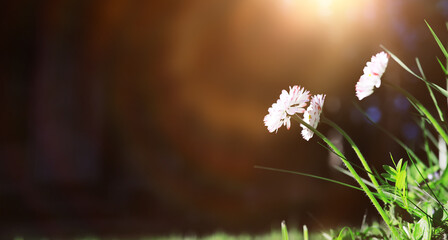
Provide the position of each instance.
(359, 154)
(355, 175)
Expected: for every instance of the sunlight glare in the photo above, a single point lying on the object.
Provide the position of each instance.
(324, 7)
(329, 11)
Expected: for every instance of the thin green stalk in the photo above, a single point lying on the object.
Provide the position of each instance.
(355, 175)
(369, 184)
(427, 185)
(446, 74)
(445, 70)
(442, 48)
(435, 86)
(358, 153)
(398, 141)
(429, 89)
(284, 231)
(308, 175)
(352, 163)
(427, 136)
(393, 195)
(442, 66)
(305, 232)
(423, 110)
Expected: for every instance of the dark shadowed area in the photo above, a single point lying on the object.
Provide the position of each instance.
(126, 118)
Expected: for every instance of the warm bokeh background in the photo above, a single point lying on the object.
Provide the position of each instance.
(145, 117)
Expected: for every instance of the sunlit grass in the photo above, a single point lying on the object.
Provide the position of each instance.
(293, 235)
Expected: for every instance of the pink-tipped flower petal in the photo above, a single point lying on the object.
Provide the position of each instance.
(288, 104)
(372, 73)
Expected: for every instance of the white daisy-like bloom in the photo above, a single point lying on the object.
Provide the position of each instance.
(288, 104)
(365, 85)
(373, 71)
(378, 63)
(312, 115)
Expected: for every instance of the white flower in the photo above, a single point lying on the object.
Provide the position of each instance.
(287, 105)
(365, 85)
(373, 71)
(378, 63)
(312, 115)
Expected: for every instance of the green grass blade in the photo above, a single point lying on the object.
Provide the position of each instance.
(352, 163)
(420, 68)
(427, 185)
(305, 232)
(308, 175)
(358, 153)
(386, 195)
(401, 63)
(390, 135)
(342, 234)
(438, 41)
(435, 86)
(439, 89)
(442, 66)
(420, 107)
(429, 89)
(342, 170)
(427, 133)
(393, 161)
(284, 231)
(426, 138)
(332, 151)
(366, 190)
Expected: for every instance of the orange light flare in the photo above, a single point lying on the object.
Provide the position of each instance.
(287, 39)
(271, 44)
(224, 64)
(337, 15)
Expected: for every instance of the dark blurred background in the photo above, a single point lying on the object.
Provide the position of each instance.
(128, 118)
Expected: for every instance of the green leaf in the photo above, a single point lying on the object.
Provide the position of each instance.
(388, 177)
(444, 178)
(403, 168)
(390, 170)
(418, 230)
(438, 41)
(400, 183)
(422, 229)
(400, 162)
